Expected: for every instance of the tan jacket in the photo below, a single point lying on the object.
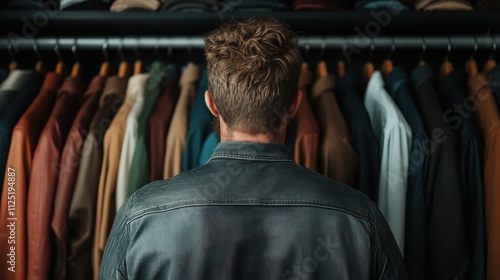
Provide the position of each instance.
(113, 141)
(176, 136)
(337, 158)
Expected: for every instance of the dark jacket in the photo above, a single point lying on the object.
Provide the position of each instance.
(250, 213)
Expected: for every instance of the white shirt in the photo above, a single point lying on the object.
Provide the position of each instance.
(130, 139)
(394, 137)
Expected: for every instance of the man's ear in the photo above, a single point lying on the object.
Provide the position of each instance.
(210, 104)
(294, 107)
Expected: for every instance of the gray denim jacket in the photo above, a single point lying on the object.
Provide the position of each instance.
(250, 213)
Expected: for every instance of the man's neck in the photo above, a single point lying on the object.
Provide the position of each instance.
(245, 137)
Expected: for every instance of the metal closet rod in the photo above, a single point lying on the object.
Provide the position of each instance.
(348, 43)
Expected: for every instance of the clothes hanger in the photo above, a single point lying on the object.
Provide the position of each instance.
(13, 61)
(138, 61)
(305, 67)
(447, 66)
(103, 71)
(75, 71)
(471, 64)
(341, 63)
(421, 61)
(60, 67)
(39, 66)
(490, 63)
(123, 67)
(321, 68)
(368, 68)
(387, 65)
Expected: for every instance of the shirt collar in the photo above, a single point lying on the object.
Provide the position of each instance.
(376, 82)
(251, 151)
(395, 80)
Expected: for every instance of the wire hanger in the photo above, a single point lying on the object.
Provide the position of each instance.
(369, 68)
(447, 66)
(321, 68)
(123, 67)
(387, 65)
(471, 64)
(13, 61)
(60, 67)
(75, 71)
(138, 61)
(103, 71)
(490, 63)
(421, 60)
(39, 66)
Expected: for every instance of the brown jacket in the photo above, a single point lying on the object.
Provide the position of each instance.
(488, 119)
(307, 140)
(44, 175)
(68, 170)
(81, 216)
(24, 140)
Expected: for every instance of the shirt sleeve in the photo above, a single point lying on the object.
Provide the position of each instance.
(113, 264)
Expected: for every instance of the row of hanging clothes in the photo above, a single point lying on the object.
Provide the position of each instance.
(422, 146)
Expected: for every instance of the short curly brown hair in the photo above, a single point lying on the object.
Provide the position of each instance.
(253, 71)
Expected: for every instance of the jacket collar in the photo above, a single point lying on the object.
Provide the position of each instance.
(251, 151)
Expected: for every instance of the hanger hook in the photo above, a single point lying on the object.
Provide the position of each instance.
(120, 50)
(424, 48)
(393, 49)
(372, 49)
(494, 46)
(157, 46)
(449, 49)
(105, 50)
(136, 50)
(323, 46)
(35, 49)
(57, 51)
(73, 50)
(11, 51)
(474, 52)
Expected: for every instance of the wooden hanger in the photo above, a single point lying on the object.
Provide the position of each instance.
(60, 67)
(471, 64)
(368, 68)
(103, 71)
(138, 62)
(341, 68)
(13, 61)
(123, 67)
(321, 68)
(75, 71)
(447, 66)
(490, 63)
(387, 65)
(39, 66)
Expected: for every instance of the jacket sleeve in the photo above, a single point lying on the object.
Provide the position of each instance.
(387, 261)
(113, 264)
